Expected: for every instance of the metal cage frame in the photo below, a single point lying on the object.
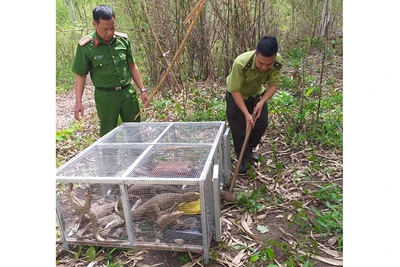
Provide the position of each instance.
(213, 175)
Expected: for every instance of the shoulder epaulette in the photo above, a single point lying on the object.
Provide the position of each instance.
(249, 63)
(278, 62)
(85, 40)
(120, 34)
(277, 65)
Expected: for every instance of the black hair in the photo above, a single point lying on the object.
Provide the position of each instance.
(267, 46)
(102, 12)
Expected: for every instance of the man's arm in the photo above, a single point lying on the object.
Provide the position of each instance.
(79, 88)
(267, 95)
(138, 80)
(237, 96)
(273, 82)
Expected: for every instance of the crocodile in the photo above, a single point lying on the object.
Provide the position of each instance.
(152, 188)
(105, 223)
(165, 219)
(86, 209)
(188, 223)
(77, 204)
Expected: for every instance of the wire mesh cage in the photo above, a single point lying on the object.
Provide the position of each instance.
(149, 185)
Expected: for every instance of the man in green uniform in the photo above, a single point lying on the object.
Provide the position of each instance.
(246, 97)
(107, 55)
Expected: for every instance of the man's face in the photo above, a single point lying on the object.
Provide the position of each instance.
(264, 63)
(105, 29)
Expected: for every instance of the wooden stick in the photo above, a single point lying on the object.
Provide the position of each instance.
(246, 139)
(198, 6)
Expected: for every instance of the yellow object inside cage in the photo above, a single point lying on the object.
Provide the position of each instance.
(190, 207)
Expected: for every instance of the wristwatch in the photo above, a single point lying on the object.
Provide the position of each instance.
(143, 90)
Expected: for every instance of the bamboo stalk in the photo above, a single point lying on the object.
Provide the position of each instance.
(156, 39)
(177, 54)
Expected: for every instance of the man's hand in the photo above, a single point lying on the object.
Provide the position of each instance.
(145, 99)
(257, 109)
(79, 88)
(78, 109)
(250, 121)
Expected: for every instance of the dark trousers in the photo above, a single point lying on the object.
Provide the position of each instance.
(237, 123)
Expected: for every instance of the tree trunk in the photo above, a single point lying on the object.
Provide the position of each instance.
(71, 8)
(325, 17)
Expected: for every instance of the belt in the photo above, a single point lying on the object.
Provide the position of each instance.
(257, 97)
(114, 88)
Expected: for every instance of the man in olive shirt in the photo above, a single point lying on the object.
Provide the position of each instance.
(246, 97)
(107, 55)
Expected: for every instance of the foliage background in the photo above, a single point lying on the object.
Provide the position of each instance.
(225, 29)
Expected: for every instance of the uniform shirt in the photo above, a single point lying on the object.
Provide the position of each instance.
(247, 79)
(108, 64)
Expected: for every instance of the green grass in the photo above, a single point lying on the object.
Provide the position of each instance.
(110, 262)
(253, 201)
(294, 56)
(308, 118)
(200, 106)
(73, 139)
(185, 258)
(67, 133)
(327, 218)
(303, 125)
(264, 255)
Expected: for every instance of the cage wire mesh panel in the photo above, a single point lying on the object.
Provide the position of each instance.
(165, 214)
(88, 213)
(172, 161)
(191, 133)
(143, 185)
(103, 160)
(136, 133)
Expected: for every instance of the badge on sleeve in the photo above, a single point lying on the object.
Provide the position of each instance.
(120, 34)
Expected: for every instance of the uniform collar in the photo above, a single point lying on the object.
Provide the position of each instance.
(253, 60)
(253, 64)
(97, 40)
